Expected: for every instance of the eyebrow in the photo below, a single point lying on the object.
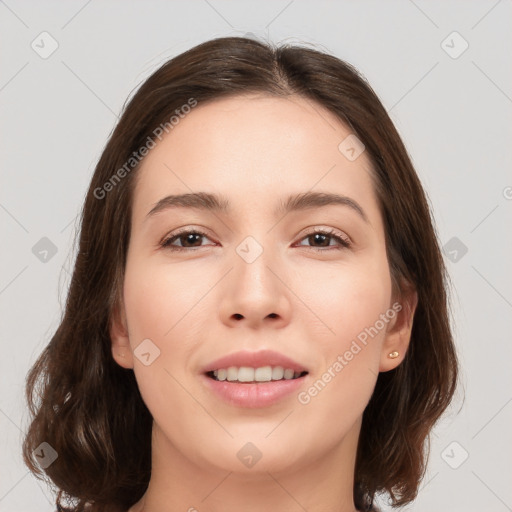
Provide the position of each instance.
(216, 203)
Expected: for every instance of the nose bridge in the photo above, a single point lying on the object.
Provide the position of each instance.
(255, 290)
(253, 263)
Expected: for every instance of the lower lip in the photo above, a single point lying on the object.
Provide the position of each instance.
(256, 394)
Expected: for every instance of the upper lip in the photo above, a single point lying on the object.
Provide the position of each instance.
(254, 360)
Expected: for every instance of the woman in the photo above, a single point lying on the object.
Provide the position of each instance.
(257, 318)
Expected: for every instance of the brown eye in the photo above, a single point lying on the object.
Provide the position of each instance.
(187, 239)
(323, 238)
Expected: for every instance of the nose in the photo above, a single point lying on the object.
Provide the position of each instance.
(255, 294)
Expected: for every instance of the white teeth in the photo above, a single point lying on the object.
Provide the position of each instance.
(232, 373)
(277, 373)
(261, 374)
(288, 374)
(245, 374)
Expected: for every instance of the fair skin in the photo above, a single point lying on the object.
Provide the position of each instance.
(206, 301)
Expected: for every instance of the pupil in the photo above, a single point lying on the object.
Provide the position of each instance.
(320, 235)
(190, 237)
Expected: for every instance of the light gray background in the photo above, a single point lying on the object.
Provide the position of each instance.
(454, 115)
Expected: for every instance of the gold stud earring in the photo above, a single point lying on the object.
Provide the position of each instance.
(393, 355)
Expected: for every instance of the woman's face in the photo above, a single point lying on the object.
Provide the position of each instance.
(257, 279)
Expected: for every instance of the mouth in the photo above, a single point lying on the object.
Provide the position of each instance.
(249, 375)
(254, 379)
(248, 387)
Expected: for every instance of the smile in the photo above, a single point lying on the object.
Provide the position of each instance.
(249, 374)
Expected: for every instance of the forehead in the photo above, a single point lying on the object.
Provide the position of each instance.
(254, 148)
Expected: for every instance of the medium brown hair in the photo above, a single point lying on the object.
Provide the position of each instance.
(90, 410)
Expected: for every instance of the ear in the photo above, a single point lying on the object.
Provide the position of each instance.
(120, 341)
(398, 332)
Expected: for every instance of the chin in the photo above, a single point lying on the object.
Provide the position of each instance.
(249, 456)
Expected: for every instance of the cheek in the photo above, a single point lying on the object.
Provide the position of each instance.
(160, 307)
(345, 301)
(352, 307)
(349, 329)
(160, 300)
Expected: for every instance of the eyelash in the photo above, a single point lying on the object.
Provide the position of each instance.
(345, 243)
